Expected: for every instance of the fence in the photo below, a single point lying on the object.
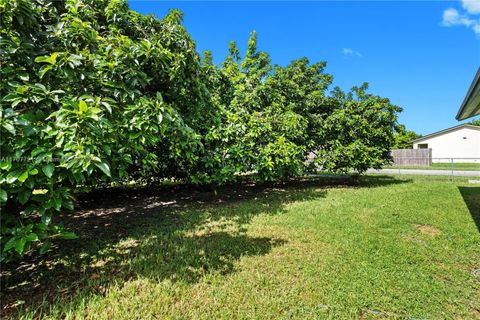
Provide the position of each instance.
(454, 167)
(412, 157)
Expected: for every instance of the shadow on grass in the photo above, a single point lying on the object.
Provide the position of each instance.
(178, 233)
(471, 196)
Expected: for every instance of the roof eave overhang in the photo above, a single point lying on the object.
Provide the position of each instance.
(431, 135)
(471, 104)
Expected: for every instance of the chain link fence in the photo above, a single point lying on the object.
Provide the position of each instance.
(453, 167)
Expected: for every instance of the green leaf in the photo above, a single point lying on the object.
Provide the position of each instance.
(52, 59)
(24, 196)
(12, 177)
(9, 127)
(29, 184)
(11, 97)
(5, 165)
(17, 102)
(20, 244)
(41, 226)
(48, 169)
(10, 244)
(3, 195)
(159, 97)
(32, 237)
(24, 76)
(41, 59)
(44, 70)
(104, 167)
(107, 149)
(41, 87)
(46, 219)
(23, 176)
(68, 235)
(95, 110)
(37, 151)
(82, 107)
(57, 203)
(68, 204)
(107, 106)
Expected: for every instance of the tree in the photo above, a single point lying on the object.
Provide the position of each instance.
(403, 138)
(475, 122)
(93, 93)
(358, 133)
(257, 131)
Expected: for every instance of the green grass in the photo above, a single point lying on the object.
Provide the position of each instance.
(401, 247)
(442, 166)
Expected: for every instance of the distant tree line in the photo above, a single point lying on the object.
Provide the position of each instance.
(475, 122)
(94, 94)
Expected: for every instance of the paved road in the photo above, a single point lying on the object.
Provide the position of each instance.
(460, 173)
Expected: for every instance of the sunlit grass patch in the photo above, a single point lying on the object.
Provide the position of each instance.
(383, 247)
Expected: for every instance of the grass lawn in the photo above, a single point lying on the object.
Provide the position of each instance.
(403, 247)
(442, 166)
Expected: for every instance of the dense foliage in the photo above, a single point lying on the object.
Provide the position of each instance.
(403, 138)
(475, 122)
(94, 94)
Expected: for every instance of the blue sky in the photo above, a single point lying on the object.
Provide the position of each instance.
(421, 55)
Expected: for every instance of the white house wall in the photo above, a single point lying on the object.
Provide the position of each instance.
(461, 143)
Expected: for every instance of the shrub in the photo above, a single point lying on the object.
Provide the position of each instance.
(94, 94)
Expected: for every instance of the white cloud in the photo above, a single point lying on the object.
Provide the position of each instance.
(451, 17)
(472, 6)
(348, 51)
(476, 28)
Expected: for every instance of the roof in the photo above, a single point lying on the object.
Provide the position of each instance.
(438, 133)
(471, 104)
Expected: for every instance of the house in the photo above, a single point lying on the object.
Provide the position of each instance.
(471, 104)
(462, 143)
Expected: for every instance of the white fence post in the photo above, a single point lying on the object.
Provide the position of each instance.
(451, 161)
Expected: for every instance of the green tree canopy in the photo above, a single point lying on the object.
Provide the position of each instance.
(475, 122)
(95, 95)
(403, 138)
